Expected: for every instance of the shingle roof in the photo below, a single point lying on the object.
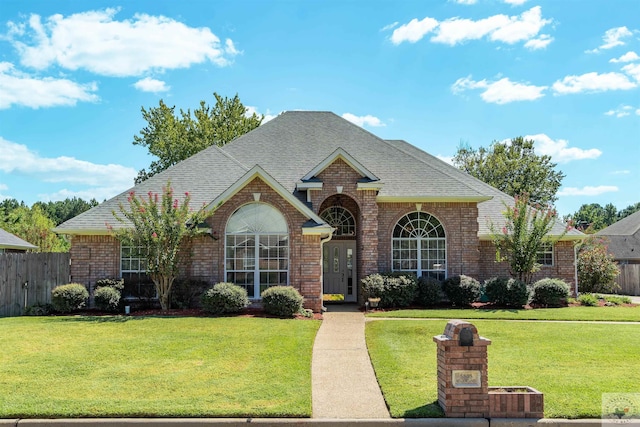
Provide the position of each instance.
(624, 237)
(11, 241)
(295, 143)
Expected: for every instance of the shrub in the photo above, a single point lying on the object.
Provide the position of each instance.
(461, 290)
(617, 300)
(107, 298)
(393, 289)
(67, 298)
(589, 300)
(429, 291)
(506, 292)
(225, 298)
(115, 283)
(597, 270)
(185, 291)
(38, 310)
(550, 292)
(283, 301)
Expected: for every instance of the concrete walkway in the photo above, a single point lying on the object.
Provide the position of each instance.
(344, 385)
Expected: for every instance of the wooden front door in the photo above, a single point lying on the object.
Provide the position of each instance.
(338, 269)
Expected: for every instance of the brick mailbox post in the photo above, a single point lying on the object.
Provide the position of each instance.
(462, 371)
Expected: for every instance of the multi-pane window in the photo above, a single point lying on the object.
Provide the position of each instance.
(133, 269)
(257, 248)
(545, 254)
(419, 245)
(340, 219)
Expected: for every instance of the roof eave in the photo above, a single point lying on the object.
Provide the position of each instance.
(427, 199)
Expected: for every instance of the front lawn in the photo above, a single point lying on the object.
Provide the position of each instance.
(155, 366)
(614, 314)
(571, 364)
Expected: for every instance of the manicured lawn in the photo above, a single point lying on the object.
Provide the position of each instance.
(154, 366)
(617, 314)
(572, 364)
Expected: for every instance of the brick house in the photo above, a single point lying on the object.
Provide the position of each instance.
(312, 201)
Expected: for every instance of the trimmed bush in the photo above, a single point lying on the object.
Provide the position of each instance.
(225, 298)
(38, 309)
(588, 300)
(550, 292)
(283, 301)
(115, 283)
(393, 289)
(506, 292)
(107, 298)
(185, 292)
(429, 291)
(68, 298)
(461, 290)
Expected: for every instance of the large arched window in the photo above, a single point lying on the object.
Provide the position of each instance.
(419, 245)
(340, 219)
(257, 248)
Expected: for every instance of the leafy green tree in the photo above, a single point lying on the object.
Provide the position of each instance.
(34, 226)
(512, 167)
(631, 209)
(160, 227)
(597, 271)
(172, 138)
(592, 217)
(521, 238)
(63, 210)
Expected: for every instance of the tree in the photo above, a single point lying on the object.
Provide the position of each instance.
(512, 167)
(172, 138)
(597, 270)
(63, 210)
(160, 228)
(631, 209)
(34, 226)
(592, 217)
(525, 232)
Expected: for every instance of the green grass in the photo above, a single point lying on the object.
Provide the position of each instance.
(617, 314)
(155, 366)
(571, 364)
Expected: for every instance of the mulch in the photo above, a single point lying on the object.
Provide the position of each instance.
(193, 312)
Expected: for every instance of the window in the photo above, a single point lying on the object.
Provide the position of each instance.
(419, 246)
(257, 248)
(340, 219)
(133, 266)
(545, 255)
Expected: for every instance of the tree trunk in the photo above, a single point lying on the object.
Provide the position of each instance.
(163, 286)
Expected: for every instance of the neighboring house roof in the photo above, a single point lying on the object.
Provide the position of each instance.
(624, 237)
(295, 147)
(11, 241)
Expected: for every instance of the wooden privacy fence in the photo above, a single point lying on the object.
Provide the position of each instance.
(41, 272)
(629, 279)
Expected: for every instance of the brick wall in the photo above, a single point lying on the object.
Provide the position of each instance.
(93, 258)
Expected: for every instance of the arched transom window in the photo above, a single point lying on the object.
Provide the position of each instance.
(257, 248)
(340, 219)
(419, 245)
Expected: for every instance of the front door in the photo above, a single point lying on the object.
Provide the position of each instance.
(338, 269)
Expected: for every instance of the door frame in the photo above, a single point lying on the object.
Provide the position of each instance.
(345, 246)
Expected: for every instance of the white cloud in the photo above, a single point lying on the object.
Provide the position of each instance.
(612, 38)
(592, 82)
(413, 31)
(3, 187)
(253, 110)
(362, 121)
(627, 57)
(638, 112)
(502, 28)
(446, 159)
(587, 190)
(151, 85)
(96, 42)
(633, 70)
(17, 88)
(621, 172)
(389, 26)
(539, 43)
(559, 150)
(18, 158)
(98, 193)
(466, 2)
(502, 91)
(515, 2)
(622, 111)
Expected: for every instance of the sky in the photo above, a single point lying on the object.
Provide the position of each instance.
(439, 73)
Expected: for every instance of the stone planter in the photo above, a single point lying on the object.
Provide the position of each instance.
(515, 402)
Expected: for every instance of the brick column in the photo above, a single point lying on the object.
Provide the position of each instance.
(462, 371)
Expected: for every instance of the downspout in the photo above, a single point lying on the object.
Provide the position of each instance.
(322, 242)
(575, 267)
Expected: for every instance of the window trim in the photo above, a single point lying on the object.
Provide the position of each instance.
(335, 226)
(546, 249)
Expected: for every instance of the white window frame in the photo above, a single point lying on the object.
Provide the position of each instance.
(348, 221)
(140, 271)
(545, 253)
(250, 265)
(419, 238)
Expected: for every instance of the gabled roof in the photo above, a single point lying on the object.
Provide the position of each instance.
(624, 237)
(340, 153)
(11, 241)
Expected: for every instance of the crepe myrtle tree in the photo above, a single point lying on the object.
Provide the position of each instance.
(525, 232)
(159, 225)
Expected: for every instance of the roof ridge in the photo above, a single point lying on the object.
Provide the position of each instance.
(230, 157)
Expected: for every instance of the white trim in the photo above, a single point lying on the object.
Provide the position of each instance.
(347, 158)
(375, 185)
(427, 199)
(320, 230)
(311, 185)
(565, 238)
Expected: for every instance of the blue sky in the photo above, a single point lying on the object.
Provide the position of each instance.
(74, 75)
